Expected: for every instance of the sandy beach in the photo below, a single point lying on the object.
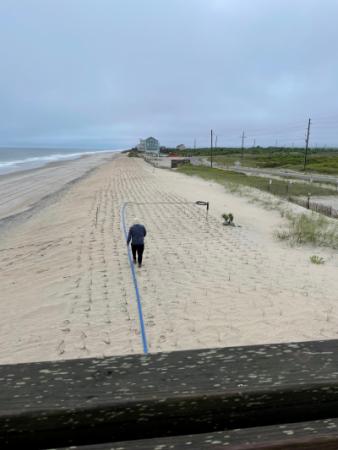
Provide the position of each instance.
(20, 191)
(67, 289)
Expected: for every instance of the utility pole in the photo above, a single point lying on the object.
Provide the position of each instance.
(254, 143)
(194, 147)
(211, 155)
(216, 141)
(307, 143)
(243, 137)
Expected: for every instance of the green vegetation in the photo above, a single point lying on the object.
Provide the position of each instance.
(309, 229)
(233, 180)
(228, 218)
(319, 160)
(317, 259)
(321, 163)
(133, 154)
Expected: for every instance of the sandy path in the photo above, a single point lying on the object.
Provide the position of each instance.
(218, 286)
(67, 290)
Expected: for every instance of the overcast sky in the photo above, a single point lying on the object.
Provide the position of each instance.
(104, 73)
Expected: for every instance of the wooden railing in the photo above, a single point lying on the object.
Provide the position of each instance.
(257, 397)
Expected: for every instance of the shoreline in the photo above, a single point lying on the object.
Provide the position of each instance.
(23, 191)
(38, 169)
(41, 160)
(61, 162)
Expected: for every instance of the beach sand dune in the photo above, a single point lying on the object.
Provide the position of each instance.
(67, 289)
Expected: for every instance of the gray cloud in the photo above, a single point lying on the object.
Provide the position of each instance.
(104, 73)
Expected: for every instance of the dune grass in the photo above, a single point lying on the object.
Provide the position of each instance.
(309, 229)
(281, 188)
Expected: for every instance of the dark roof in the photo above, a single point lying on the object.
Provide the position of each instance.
(151, 137)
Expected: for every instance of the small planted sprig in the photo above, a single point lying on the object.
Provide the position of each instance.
(317, 259)
(228, 219)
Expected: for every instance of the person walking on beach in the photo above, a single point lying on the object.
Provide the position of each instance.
(136, 235)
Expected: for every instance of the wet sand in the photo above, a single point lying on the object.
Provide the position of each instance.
(20, 191)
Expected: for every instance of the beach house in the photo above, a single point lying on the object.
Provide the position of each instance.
(149, 145)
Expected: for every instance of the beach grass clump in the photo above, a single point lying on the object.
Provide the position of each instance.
(282, 235)
(317, 259)
(309, 229)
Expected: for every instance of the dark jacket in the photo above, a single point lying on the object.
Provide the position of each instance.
(136, 234)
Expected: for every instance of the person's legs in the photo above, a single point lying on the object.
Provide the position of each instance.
(140, 249)
(133, 250)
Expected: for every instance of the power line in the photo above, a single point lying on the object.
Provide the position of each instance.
(329, 117)
(326, 126)
(322, 128)
(326, 122)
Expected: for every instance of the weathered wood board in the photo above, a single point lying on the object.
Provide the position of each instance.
(315, 435)
(52, 404)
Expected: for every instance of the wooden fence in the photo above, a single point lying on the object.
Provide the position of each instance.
(314, 206)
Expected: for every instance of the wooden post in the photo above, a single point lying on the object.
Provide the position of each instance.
(307, 143)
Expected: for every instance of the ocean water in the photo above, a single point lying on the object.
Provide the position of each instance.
(18, 159)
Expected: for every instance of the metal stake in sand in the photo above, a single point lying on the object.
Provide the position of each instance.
(202, 203)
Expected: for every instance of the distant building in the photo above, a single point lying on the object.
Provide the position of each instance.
(149, 145)
(181, 147)
(141, 146)
(152, 145)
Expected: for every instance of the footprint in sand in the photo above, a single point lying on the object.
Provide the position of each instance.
(106, 339)
(61, 348)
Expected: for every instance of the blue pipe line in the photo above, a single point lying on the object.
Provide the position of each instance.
(137, 292)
